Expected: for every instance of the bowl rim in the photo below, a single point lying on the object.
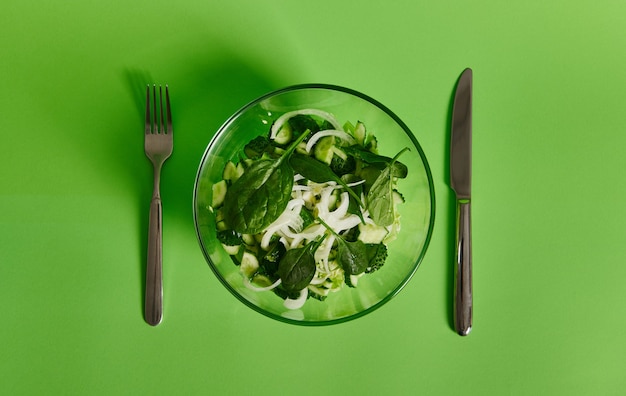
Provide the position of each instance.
(431, 188)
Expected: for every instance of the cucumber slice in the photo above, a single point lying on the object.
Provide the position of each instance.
(230, 171)
(284, 134)
(261, 281)
(339, 153)
(324, 149)
(231, 250)
(248, 239)
(249, 265)
(360, 133)
(371, 233)
(219, 193)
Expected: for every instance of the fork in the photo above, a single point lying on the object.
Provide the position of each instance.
(159, 141)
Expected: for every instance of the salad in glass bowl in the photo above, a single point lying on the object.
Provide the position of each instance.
(314, 204)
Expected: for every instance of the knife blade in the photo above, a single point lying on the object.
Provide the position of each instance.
(461, 183)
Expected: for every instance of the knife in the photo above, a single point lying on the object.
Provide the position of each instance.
(461, 183)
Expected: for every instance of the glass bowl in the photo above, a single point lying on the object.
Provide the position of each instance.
(417, 212)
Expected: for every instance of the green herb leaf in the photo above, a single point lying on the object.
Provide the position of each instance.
(369, 174)
(378, 161)
(319, 172)
(303, 122)
(261, 194)
(297, 267)
(376, 254)
(352, 256)
(258, 146)
(268, 264)
(380, 196)
(229, 237)
(354, 206)
(311, 168)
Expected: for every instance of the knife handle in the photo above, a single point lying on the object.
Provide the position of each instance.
(463, 270)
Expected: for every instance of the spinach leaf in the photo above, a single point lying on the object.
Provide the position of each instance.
(311, 168)
(352, 256)
(303, 122)
(319, 172)
(343, 166)
(261, 194)
(258, 146)
(380, 196)
(268, 264)
(369, 174)
(378, 161)
(297, 267)
(229, 237)
(354, 206)
(307, 218)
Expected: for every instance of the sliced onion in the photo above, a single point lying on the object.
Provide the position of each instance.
(342, 209)
(291, 205)
(320, 113)
(329, 132)
(356, 183)
(309, 233)
(298, 302)
(289, 217)
(318, 281)
(323, 252)
(250, 286)
(272, 229)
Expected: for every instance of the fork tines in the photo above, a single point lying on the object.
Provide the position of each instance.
(155, 120)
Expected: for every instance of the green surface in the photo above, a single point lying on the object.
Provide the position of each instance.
(548, 215)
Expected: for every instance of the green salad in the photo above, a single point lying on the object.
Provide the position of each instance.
(309, 207)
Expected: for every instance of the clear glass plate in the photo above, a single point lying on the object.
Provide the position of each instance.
(405, 253)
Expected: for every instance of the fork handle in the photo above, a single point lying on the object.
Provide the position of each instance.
(154, 269)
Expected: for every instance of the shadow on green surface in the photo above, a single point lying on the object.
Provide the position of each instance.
(203, 96)
(451, 210)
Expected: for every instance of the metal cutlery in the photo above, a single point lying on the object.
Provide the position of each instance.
(461, 183)
(159, 142)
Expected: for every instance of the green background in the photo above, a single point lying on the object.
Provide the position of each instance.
(75, 185)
